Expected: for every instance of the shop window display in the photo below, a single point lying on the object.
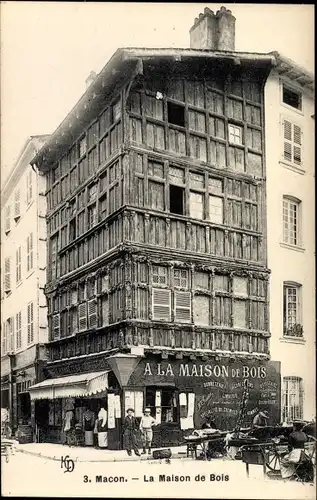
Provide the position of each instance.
(163, 404)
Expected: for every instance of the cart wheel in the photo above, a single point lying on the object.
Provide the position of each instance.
(273, 461)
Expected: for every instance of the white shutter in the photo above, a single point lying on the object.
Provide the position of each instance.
(161, 303)
(56, 326)
(287, 140)
(182, 307)
(92, 313)
(18, 265)
(292, 142)
(4, 338)
(17, 212)
(7, 274)
(297, 154)
(18, 327)
(10, 335)
(82, 317)
(30, 323)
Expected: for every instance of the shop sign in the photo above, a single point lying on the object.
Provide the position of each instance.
(218, 386)
(205, 370)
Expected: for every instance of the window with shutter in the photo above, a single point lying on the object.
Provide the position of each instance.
(82, 317)
(7, 221)
(7, 274)
(92, 313)
(56, 326)
(161, 302)
(10, 335)
(29, 249)
(18, 265)
(292, 143)
(30, 323)
(4, 338)
(17, 211)
(182, 307)
(18, 327)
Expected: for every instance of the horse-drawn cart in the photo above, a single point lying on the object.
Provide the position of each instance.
(267, 446)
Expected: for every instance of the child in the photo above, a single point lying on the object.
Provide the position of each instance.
(146, 425)
(130, 429)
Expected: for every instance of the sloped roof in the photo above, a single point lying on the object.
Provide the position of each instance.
(123, 64)
(293, 71)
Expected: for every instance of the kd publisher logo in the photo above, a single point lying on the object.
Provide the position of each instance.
(67, 463)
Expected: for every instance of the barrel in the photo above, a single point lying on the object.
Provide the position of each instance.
(25, 434)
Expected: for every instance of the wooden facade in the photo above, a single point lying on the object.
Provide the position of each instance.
(157, 228)
(170, 174)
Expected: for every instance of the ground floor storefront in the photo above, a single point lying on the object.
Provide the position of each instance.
(182, 393)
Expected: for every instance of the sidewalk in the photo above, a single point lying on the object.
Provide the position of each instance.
(84, 454)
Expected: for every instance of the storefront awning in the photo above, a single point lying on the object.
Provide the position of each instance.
(85, 384)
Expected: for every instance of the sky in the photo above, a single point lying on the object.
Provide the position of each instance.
(49, 48)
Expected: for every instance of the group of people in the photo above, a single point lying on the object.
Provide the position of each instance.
(91, 426)
(132, 429)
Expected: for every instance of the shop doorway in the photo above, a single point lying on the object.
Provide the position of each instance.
(24, 408)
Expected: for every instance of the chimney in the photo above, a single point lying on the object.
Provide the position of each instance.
(91, 77)
(213, 31)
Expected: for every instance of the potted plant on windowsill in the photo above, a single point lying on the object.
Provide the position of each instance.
(294, 331)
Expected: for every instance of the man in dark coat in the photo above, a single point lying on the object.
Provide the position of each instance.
(130, 429)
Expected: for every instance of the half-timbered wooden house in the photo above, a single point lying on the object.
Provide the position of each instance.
(157, 281)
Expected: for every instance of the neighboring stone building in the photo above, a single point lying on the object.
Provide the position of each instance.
(157, 282)
(23, 268)
(290, 154)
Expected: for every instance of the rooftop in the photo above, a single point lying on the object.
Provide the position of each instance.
(128, 62)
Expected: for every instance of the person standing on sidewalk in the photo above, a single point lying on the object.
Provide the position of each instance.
(146, 424)
(130, 430)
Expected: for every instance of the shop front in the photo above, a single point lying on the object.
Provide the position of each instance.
(183, 393)
(67, 409)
